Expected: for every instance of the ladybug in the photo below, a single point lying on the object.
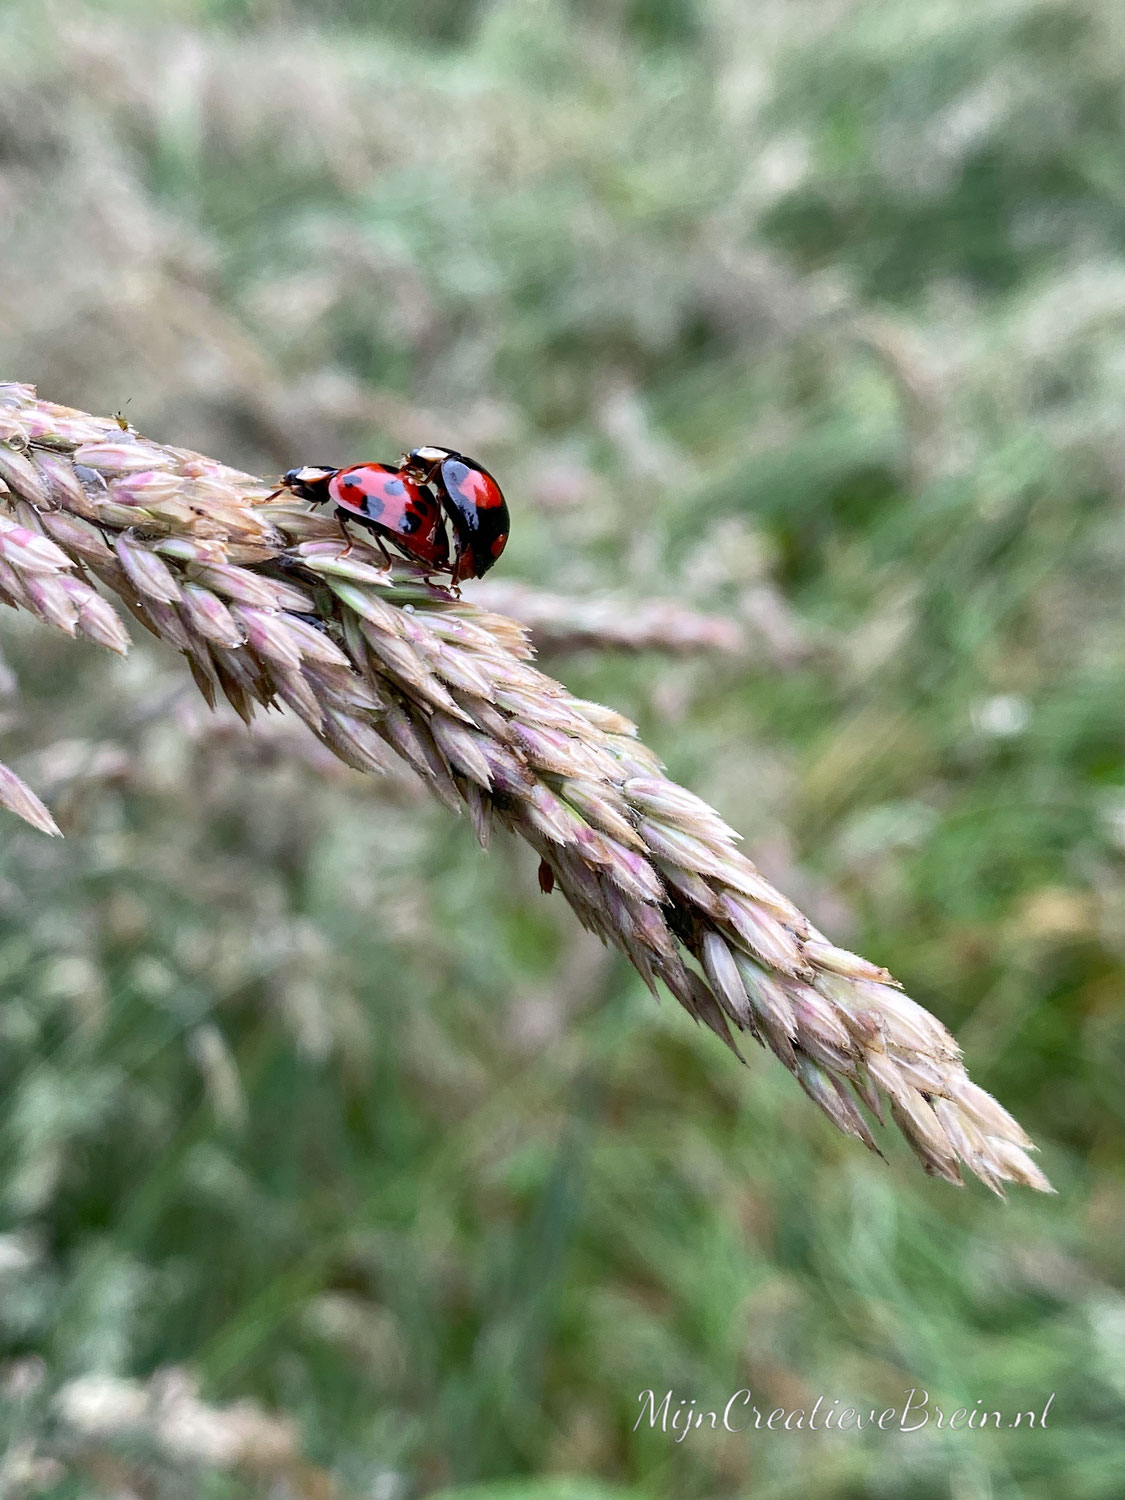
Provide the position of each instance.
(387, 501)
(471, 499)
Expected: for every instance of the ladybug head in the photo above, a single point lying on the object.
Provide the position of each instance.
(424, 462)
(310, 482)
(430, 455)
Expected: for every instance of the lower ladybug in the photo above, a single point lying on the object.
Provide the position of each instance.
(386, 501)
(471, 499)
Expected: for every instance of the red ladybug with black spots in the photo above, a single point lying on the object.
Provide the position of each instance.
(383, 500)
(471, 499)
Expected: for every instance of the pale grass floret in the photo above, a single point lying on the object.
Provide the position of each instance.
(269, 606)
(168, 1416)
(560, 622)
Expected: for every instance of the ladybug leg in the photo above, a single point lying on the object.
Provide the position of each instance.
(345, 533)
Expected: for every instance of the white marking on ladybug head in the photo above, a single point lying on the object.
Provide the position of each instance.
(310, 473)
(431, 455)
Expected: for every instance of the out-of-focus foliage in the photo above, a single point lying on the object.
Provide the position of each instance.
(810, 314)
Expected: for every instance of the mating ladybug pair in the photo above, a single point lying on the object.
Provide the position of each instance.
(410, 505)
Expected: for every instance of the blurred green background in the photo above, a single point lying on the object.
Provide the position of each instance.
(806, 315)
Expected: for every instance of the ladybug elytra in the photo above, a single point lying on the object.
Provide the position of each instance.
(472, 500)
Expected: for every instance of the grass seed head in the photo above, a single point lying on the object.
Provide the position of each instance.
(269, 607)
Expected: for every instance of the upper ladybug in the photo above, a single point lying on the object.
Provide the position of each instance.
(385, 501)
